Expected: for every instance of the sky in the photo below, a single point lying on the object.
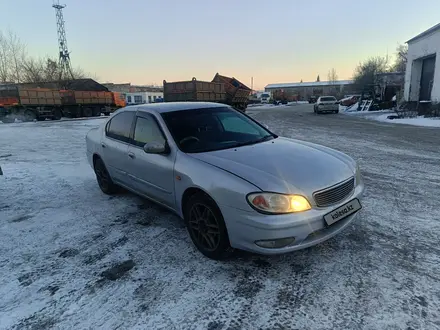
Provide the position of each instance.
(148, 41)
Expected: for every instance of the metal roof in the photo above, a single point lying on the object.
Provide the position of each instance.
(425, 33)
(311, 84)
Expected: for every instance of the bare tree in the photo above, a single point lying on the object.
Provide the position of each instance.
(17, 54)
(12, 55)
(365, 73)
(401, 58)
(45, 69)
(318, 79)
(332, 77)
(16, 66)
(4, 59)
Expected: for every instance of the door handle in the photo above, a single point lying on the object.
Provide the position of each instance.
(131, 155)
(103, 145)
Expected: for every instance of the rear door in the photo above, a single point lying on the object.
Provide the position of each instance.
(115, 145)
(152, 174)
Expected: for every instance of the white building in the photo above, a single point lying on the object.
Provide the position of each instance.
(143, 97)
(422, 78)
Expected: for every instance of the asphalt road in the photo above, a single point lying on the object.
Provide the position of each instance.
(72, 258)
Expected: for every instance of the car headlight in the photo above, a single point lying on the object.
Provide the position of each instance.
(274, 203)
(358, 175)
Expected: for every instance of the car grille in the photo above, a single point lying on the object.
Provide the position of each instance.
(334, 194)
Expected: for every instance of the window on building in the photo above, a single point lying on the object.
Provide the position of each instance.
(149, 98)
(154, 98)
(137, 99)
(128, 98)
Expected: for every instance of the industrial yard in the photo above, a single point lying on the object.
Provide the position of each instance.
(74, 258)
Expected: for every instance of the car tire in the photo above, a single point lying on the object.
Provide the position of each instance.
(105, 182)
(206, 227)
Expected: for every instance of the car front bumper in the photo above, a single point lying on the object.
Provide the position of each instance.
(308, 228)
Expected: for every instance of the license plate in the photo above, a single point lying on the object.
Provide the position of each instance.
(342, 212)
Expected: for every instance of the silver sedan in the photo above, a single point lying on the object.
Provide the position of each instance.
(233, 182)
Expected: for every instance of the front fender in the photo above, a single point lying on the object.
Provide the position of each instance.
(223, 187)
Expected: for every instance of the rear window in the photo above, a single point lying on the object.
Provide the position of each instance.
(328, 98)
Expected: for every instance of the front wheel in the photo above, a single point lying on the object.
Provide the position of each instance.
(206, 227)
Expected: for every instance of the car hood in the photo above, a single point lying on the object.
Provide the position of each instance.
(284, 165)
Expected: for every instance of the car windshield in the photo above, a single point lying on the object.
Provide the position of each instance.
(210, 129)
(328, 98)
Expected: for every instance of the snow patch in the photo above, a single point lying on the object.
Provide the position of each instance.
(417, 121)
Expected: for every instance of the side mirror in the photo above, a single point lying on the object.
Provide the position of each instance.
(156, 147)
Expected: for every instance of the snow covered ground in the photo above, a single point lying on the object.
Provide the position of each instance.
(382, 115)
(74, 258)
(417, 121)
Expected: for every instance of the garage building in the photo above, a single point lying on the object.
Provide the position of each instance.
(422, 78)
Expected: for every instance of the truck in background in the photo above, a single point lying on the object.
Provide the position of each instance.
(90, 103)
(237, 93)
(22, 102)
(265, 98)
(29, 104)
(221, 89)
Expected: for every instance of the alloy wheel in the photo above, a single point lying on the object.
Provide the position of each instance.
(204, 226)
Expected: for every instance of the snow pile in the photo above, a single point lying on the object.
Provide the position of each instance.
(417, 121)
(382, 116)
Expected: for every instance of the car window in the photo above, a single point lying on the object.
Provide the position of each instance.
(232, 123)
(119, 127)
(328, 98)
(210, 129)
(147, 130)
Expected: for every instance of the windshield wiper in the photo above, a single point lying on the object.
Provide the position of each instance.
(262, 139)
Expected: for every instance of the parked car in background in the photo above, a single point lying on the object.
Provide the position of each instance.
(326, 104)
(227, 176)
(265, 98)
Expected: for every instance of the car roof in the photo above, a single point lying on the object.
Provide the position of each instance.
(173, 106)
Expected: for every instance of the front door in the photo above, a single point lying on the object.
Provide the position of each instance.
(427, 78)
(152, 174)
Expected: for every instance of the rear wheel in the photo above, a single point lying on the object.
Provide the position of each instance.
(97, 112)
(29, 115)
(88, 112)
(57, 114)
(206, 227)
(104, 180)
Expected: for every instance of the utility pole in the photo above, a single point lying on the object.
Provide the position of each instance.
(64, 56)
(252, 84)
